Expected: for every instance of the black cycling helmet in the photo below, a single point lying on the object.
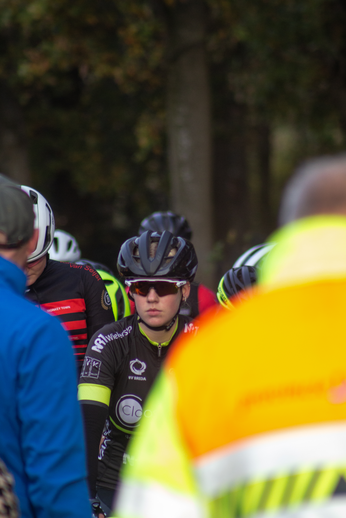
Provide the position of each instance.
(160, 221)
(135, 259)
(233, 284)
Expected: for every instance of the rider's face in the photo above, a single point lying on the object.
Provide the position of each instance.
(157, 311)
(33, 270)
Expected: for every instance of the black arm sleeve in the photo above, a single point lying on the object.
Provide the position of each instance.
(94, 417)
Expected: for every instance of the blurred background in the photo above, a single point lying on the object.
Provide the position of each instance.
(117, 108)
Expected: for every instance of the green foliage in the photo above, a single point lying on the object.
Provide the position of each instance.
(90, 78)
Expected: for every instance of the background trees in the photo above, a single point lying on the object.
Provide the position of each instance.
(117, 108)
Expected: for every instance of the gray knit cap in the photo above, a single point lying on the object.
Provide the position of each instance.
(16, 214)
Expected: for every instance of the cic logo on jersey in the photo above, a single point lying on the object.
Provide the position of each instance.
(129, 410)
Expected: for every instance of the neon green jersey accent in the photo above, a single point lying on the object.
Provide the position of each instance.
(306, 250)
(91, 392)
(163, 344)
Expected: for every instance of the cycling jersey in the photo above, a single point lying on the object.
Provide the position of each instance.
(257, 430)
(119, 368)
(200, 299)
(75, 294)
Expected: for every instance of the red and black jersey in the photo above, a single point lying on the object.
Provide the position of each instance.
(77, 295)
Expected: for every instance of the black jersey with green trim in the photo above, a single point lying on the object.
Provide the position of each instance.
(76, 294)
(120, 366)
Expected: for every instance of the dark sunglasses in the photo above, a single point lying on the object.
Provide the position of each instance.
(162, 288)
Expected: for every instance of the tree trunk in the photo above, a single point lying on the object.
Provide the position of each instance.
(189, 127)
(264, 154)
(13, 151)
(231, 190)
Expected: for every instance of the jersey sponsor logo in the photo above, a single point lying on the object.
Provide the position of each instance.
(191, 328)
(129, 410)
(333, 389)
(91, 367)
(137, 367)
(62, 307)
(102, 340)
(105, 300)
(93, 272)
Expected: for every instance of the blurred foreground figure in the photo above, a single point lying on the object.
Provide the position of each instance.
(249, 418)
(41, 435)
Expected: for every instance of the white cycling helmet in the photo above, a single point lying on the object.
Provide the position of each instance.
(64, 248)
(44, 221)
(253, 256)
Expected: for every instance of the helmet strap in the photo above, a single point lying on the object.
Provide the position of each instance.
(165, 327)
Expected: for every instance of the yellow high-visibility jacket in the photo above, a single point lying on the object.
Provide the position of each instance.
(249, 417)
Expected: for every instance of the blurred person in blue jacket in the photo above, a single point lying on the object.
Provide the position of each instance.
(41, 436)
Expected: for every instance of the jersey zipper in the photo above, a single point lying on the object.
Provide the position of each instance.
(159, 347)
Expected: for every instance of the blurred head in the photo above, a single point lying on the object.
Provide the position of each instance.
(160, 221)
(64, 247)
(17, 235)
(317, 187)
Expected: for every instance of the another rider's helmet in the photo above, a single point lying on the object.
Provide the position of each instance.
(116, 291)
(160, 221)
(64, 247)
(233, 284)
(171, 258)
(44, 222)
(254, 256)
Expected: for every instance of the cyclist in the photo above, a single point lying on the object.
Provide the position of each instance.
(64, 248)
(201, 298)
(116, 291)
(236, 285)
(124, 358)
(239, 279)
(74, 293)
(40, 419)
